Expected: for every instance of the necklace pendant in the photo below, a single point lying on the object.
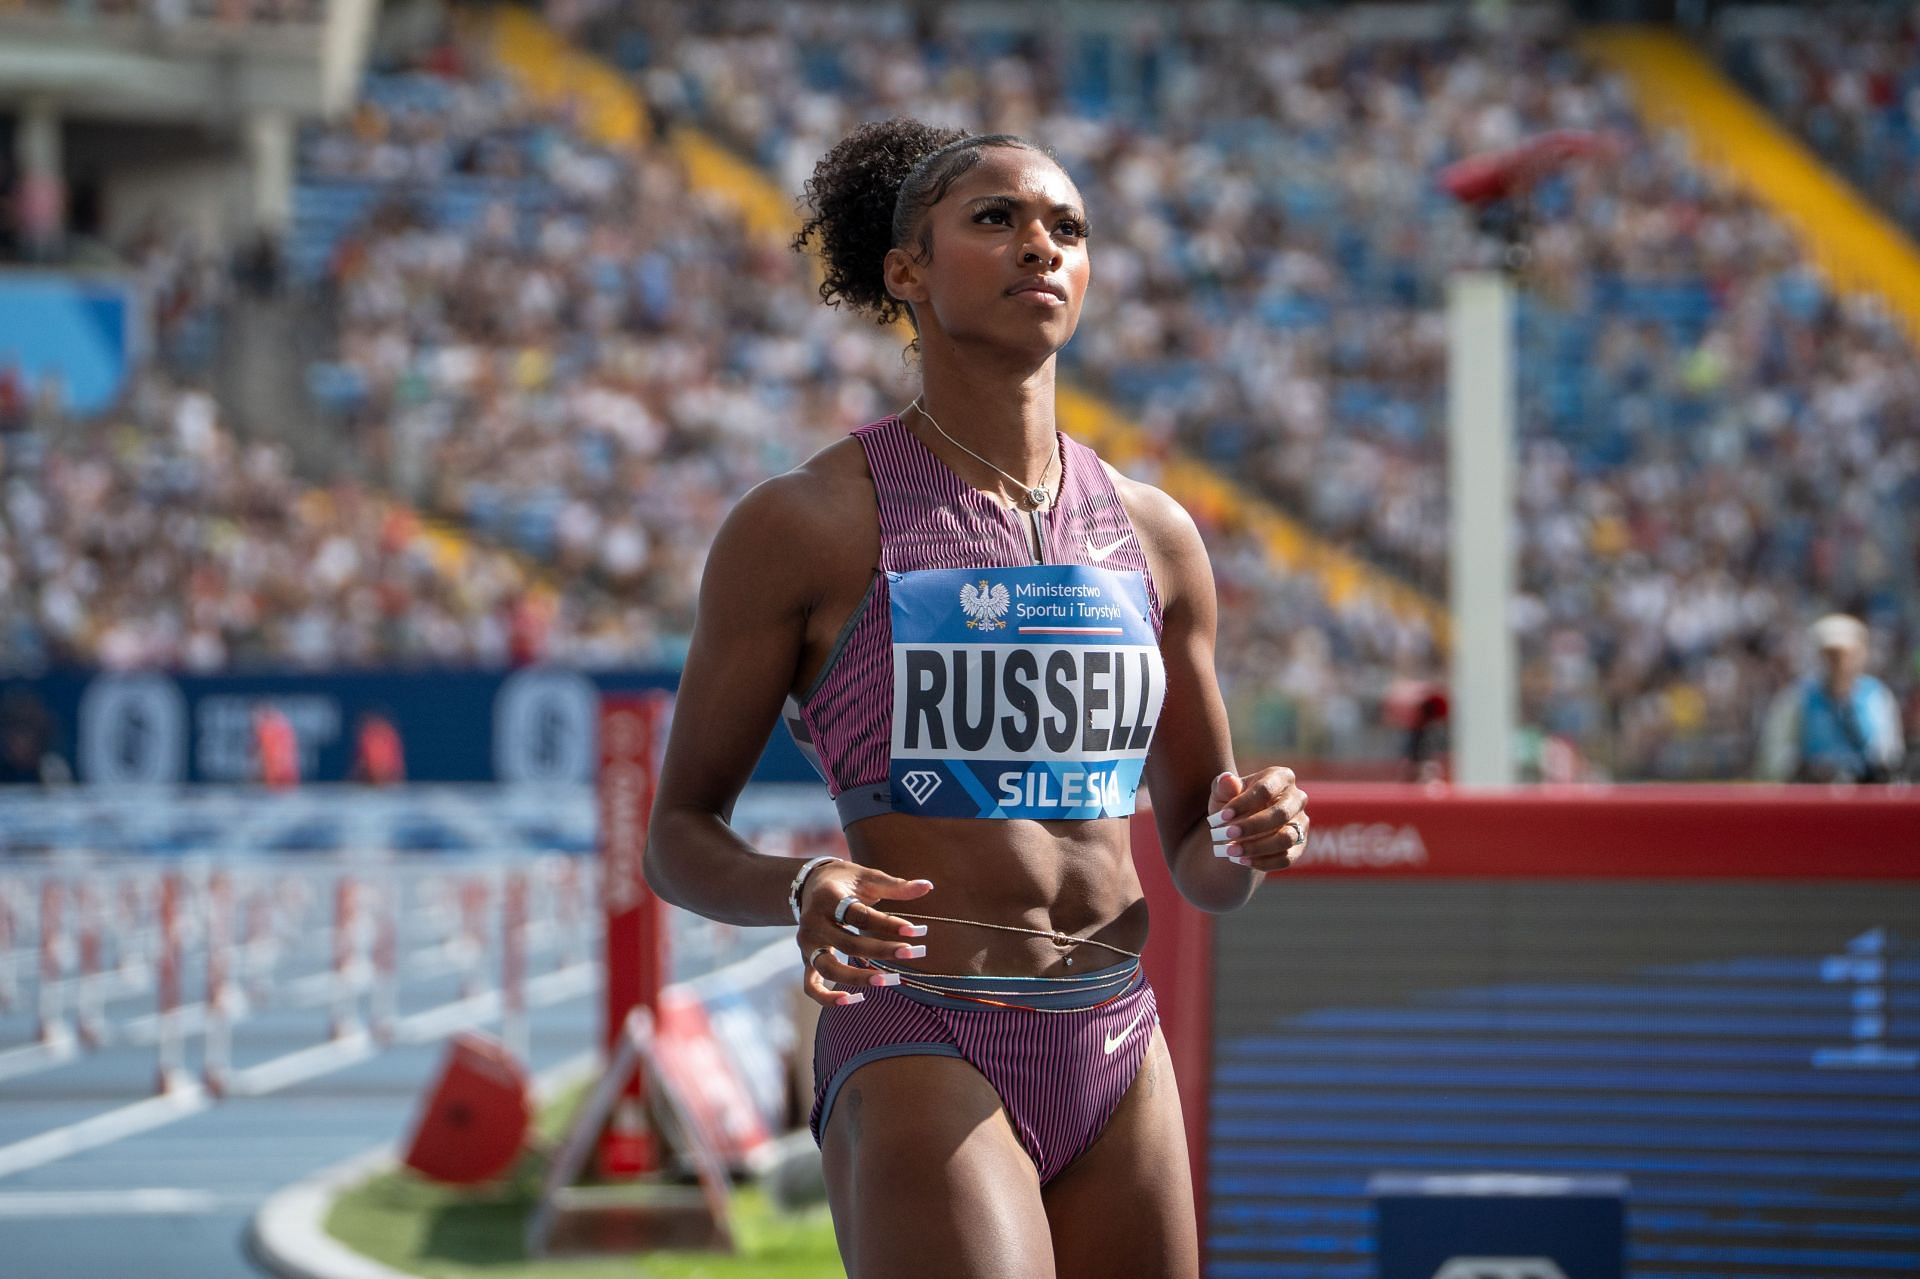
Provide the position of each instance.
(1036, 498)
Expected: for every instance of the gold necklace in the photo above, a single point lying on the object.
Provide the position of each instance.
(1037, 496)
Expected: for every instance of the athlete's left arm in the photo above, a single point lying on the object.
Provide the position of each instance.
(1190, 769)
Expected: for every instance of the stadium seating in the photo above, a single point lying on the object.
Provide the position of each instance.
(572, 351)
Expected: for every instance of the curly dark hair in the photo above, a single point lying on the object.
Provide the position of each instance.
(871, 193)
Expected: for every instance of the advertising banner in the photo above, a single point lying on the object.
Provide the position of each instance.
(534, 724)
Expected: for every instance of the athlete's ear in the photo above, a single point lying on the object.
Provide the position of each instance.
(905, 278)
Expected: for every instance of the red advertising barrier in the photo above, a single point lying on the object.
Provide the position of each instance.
(1645, 831)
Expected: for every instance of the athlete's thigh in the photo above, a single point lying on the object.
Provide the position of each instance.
(927, 1179)
(1125, 1208)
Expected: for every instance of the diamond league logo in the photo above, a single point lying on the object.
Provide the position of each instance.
(920, 783)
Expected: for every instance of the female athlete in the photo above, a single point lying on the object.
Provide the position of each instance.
(986, 639)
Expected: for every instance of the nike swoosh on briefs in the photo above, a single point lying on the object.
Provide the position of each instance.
(1098, 553)
(1114, 1041)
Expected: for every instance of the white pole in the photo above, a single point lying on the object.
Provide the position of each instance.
(216, 1066)
(53, 1027)
(171, 1051)
(346, 958)
(89, 1005)
(9, 962)
(1480, 486)
(384, 1000)
(513, 961)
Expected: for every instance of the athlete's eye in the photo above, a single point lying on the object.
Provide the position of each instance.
(1075, 228)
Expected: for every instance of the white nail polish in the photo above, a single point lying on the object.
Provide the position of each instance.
(911, 952)
(852, 999)
(885, 979)
(1218, 835)
(914, 930)
(1221, 850)
(1219, 818)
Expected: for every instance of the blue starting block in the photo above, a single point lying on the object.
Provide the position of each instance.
(1498, 1226)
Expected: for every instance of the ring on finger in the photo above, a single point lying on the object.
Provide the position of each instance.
(1299, 833)
(841, 907)
(815, 953)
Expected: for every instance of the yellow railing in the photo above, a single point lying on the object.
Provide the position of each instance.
(1858, 249)
(550, 70)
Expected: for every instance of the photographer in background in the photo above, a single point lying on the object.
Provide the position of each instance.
(1841, 725)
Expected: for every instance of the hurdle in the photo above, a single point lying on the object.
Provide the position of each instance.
(217, 1047)
(345, 1017)
(89, 1011)
(473, 933)
(171, 1074)
(53, 1030)
(383, 1002)
(513, 965)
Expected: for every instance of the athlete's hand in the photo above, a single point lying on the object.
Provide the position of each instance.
(1260, 820)
(879, 935)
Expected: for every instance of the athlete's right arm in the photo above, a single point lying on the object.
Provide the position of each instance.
(760, 586)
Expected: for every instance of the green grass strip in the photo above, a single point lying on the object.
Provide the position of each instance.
(444, 1232)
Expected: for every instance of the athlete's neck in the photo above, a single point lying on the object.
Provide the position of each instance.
(1010, 422)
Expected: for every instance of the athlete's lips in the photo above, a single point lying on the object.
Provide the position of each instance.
(1039, 284)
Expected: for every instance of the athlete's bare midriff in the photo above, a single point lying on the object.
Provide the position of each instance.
(1072, 877)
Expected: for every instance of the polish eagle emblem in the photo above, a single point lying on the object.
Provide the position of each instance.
(984, 606)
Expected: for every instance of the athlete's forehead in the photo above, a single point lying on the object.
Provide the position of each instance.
(1027, 177)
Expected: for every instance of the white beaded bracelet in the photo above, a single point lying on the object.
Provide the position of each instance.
(793, 892)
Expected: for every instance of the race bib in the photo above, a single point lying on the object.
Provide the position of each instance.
(1021, 692)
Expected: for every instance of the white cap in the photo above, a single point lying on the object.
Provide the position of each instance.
(1838, 630)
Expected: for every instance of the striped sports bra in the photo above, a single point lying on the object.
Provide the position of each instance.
(975, 679)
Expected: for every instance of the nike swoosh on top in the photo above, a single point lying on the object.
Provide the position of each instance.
(1114, 1041)
(1098, 553)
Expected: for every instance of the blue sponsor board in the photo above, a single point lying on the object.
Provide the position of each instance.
(1499, 1226)
(76, 331)
(1026, 692)
(534, 724)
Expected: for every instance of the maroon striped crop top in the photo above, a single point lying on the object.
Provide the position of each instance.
(931, 519)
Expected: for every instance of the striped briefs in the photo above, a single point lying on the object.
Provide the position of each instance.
(1060, 1074)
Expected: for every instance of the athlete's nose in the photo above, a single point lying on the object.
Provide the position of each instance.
(1032, 255)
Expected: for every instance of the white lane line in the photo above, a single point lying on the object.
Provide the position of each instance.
(28, 1058)
(307, 1063)
(435, 1023)
(155, 1201)
(474, 1010)
(102, 1130)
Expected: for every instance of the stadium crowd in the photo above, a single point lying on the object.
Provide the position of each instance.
(1714, 449)
(154, 538)
(596, 381)
(1846, 77)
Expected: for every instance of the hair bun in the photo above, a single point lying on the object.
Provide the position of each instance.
(852, 195)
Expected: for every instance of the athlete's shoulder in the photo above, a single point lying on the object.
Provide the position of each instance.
(822, 507)
(1160, 521)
